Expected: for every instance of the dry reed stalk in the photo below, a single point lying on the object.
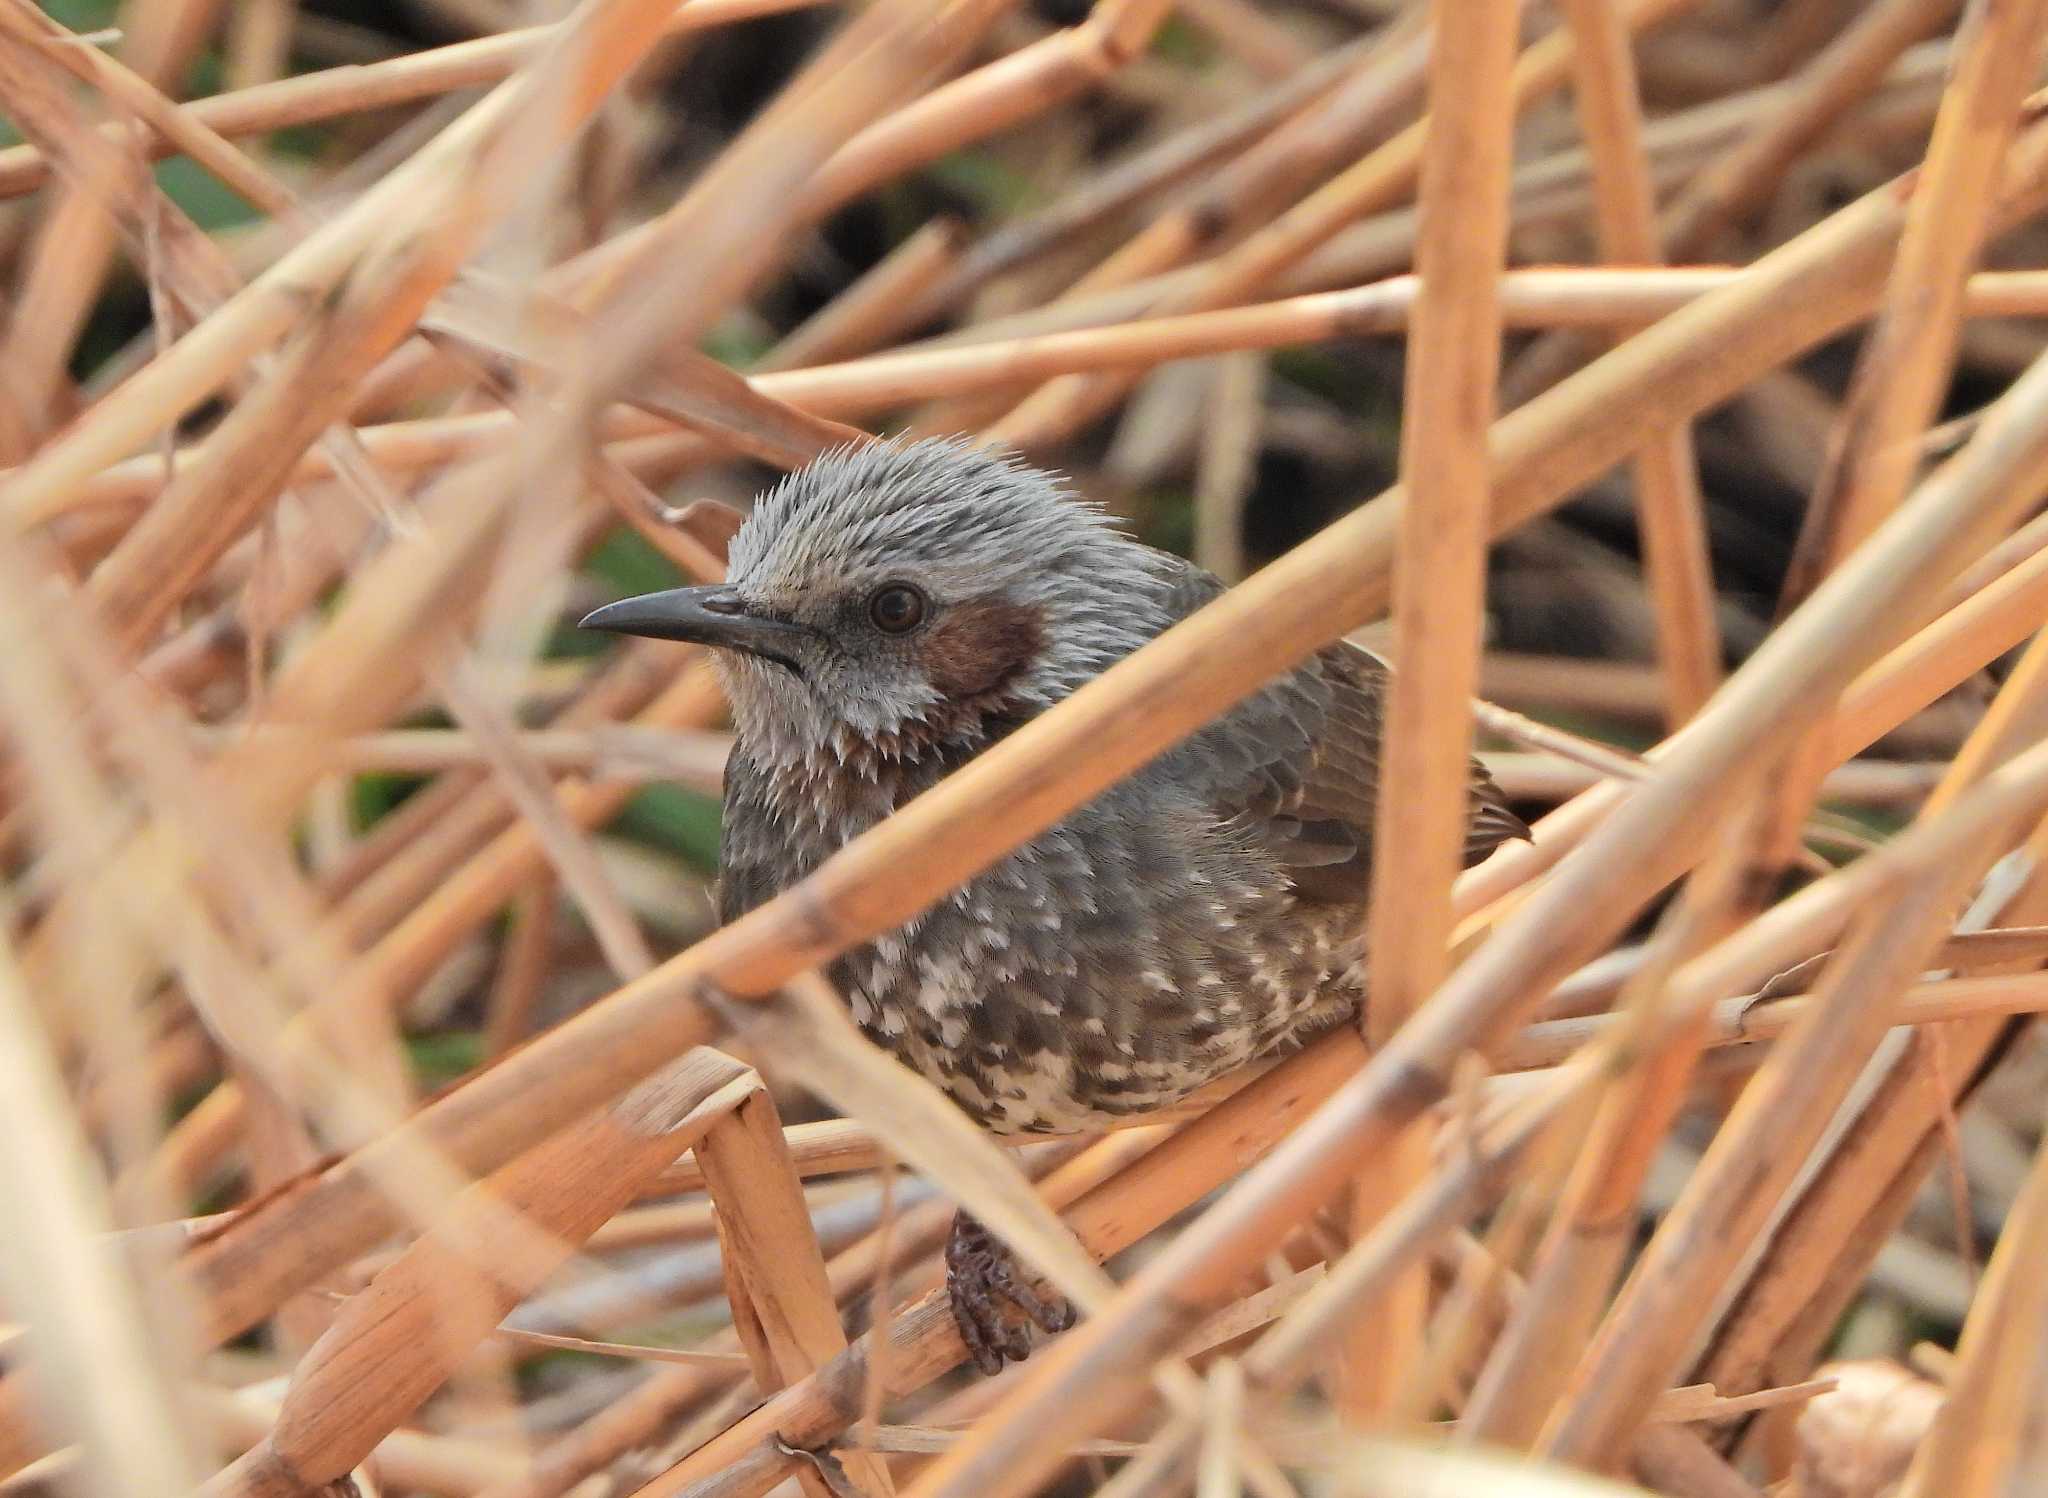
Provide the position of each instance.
(1026, 83)
(1439, 617)
(444, 1464)
(1840, 74)
(1554, 778)
(1574, 1265)
(782, 1303)
(962, 111)
(1985, 1438)
(1648, 1332)
(1150, 171)
(635, 1418)
(1669, 505)
(1383, 88)
(531, 794)
(149, 106)
(692, 757)
(692, 389)
(1808, 289)
(433, 920)
(258, 108)
(1284, 1355)
(523, 965)
(100, 1377)
(1947, 652)
(400, 1338)
(859, 387)
(879, 306)
(409, 951)
(281, 778)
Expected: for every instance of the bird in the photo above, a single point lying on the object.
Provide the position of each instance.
(892, 609)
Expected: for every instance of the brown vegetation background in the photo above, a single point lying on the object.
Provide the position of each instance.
(1660, 383)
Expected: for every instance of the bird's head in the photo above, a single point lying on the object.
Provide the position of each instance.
(898, 598)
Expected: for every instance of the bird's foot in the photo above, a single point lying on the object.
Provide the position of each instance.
(982, 1276)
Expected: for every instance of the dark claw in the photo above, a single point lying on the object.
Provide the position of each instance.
(981, 1276)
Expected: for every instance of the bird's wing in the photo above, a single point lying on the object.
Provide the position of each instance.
(1300, 760)
(747, 851)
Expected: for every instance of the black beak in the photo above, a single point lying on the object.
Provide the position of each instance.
(703, 616)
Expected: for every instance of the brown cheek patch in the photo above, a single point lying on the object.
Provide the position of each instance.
(979, 645)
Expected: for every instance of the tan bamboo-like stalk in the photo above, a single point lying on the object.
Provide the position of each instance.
(1939, 657)
(75, 238)
(316, 692)
(1439, 617)
(1743, 1021)
(1592, 1223)
(1669, 506)
(877, 307)
(429, 929)
(1596, 1417)
(125, 1413)
(445, 1464)
(1026, 83)
(1382, 87)
(1151, 171)
(745, 1459)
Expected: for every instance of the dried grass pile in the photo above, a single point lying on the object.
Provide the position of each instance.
(374, 1099)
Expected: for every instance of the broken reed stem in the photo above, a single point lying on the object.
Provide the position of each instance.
(1424, 804)
(397, 1340)
(746, 1461)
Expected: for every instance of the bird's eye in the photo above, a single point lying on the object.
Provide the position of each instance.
(896, 609)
